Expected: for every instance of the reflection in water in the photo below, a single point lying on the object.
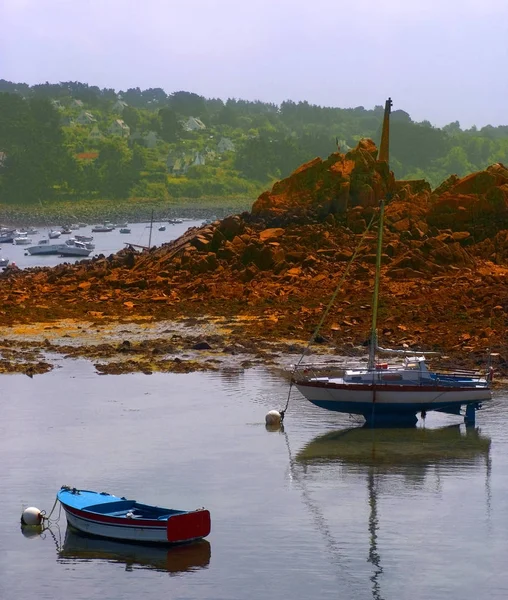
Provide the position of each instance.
(78, 547)
(374, 557)
(376, 452)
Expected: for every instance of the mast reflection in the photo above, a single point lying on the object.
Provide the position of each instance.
(378, 452)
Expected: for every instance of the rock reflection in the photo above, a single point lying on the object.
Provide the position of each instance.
(78, 547)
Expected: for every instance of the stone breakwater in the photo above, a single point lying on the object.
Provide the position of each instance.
(269, 273)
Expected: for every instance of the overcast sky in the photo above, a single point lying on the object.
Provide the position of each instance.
(441, 60)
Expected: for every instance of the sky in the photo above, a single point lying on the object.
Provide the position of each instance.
(440, 60)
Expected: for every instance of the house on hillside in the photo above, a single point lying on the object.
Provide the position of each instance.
(137, 136)
(151, 139)
(118, 106)
(85, 118)
(193, 124)
(199, 160)
(77, 103)
(118, 127)
(170, 163)
(225, 145)
(95, 135)
(178, 165)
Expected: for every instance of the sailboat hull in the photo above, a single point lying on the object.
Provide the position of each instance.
(389, 400)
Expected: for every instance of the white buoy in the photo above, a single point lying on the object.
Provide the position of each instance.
(273, 418)
(31, 516)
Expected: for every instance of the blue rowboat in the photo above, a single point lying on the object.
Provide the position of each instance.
(107, 516)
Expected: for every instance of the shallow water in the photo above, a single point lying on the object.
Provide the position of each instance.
(297, 514)
(105, 243)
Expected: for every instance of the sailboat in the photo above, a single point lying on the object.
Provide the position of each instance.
(394, 394)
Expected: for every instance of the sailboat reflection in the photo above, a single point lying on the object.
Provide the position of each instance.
(376, 452)
(175, 560)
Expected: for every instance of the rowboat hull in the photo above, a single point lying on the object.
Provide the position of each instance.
(103, 519)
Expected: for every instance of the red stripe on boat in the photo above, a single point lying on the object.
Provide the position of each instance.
(387, 387)
(98, 518)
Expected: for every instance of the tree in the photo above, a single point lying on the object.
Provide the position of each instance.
(33, 142)
(170, 127)
(115, 169)
(188, 104)
(456, 161)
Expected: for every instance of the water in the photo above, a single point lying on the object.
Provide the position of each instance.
(354, 514)
(105, 243)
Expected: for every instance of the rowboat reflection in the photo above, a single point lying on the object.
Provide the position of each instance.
(78, 547)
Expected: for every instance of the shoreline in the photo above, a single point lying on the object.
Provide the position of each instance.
(144, 345)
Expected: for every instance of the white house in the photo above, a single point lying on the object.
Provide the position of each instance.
(118, 127)
(137, 136)
(95, 134)
(85, 118)
(119, 105)
(177, 166)
(225, 145)
(193, 124)
(199, 160)
(151, 139)
(76, 103)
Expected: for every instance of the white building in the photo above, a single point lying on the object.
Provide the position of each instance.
(151, 139)
(225, 145)
(85, 118)
(118, 127)
(199, 160)
(118, 106)
(95, 134)
(193, 124)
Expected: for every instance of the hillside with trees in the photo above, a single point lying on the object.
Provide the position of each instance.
(73, 141)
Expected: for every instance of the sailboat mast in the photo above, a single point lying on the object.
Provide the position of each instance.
(375, 298)
(150, 236)
(383, 155)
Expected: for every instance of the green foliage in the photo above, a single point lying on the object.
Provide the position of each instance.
(46, 155)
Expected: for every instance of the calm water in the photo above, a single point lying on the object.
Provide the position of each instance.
(105, 243)
(318, 511)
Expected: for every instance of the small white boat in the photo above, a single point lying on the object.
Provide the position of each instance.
(76, 249)
(21, 240)
(102, 228)
(4, 261)
(54, 234)
(162, 228)
(44, 246)
(77, 243)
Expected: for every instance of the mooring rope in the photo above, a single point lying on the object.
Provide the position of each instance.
(327, 310)
(48, 518)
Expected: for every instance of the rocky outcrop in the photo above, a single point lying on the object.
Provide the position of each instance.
(332, 186)
(276, 267)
